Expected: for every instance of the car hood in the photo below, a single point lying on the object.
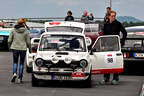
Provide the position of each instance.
(62, 55)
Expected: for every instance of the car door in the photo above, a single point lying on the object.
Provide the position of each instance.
(106, 55)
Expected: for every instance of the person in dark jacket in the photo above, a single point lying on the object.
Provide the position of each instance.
(19, 41)
(69, 16)
(91, 17)
(113, 27)
(106, 18)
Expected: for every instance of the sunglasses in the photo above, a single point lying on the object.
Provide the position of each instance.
(113, 15)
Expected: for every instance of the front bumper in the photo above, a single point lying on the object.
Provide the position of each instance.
(69, 76)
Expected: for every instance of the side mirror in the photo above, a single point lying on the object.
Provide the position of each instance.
(35, 41)
(91, 51)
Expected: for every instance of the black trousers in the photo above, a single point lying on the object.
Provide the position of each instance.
(107, 77)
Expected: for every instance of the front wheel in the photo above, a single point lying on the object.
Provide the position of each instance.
(88, 82)
(28, 69)
(35, 81)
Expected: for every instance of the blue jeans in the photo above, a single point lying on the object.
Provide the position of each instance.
(16, 55)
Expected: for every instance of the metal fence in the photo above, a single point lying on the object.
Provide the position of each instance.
(41, 20)
(50, 18)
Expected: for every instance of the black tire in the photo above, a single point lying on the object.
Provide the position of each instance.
(87, 82)
(35, 81)
(28, 69)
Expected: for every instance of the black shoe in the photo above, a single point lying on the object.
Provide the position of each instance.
(13, 78)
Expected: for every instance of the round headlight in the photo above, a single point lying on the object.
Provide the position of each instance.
(39, 62)
(67, 60)
(55, 59)
(83, 63)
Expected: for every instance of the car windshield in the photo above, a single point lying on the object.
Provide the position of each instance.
(64, 29)
(62, 43)
(135, 33)
(91, 27)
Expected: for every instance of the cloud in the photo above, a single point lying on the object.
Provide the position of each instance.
(57, 2)
(67, 3)
(117, 3)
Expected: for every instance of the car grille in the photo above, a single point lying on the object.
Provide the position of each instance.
(62, 64)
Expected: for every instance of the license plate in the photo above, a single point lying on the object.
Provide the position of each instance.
(139, 55)
(61, 77)
(1, 38)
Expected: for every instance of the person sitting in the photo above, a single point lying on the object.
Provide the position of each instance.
(74, 44)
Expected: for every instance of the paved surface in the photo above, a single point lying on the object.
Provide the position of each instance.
(129, 85)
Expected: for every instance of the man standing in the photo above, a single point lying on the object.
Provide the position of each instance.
(91, 17)
(106, 18)
(69, 16)
(85, 17)
(113, 27)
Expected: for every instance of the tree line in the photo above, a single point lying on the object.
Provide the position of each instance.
(129, 24)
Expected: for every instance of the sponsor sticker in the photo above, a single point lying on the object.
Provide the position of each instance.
(110, 59)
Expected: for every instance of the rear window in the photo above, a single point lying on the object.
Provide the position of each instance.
(64, 29)
(135, 33)
(92, 28)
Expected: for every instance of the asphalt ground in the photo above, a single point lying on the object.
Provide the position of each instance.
(129, 84)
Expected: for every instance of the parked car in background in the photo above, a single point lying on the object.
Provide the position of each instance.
(42, 31)
(34, 33)
(4, 34)
(92, 31)
(5, 28)
(133, 50)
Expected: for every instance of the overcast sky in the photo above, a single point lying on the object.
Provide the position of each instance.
(59, 8)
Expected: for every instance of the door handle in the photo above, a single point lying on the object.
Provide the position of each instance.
(118, 54)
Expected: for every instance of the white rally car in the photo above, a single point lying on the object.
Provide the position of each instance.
(53, 27)
(64, 56)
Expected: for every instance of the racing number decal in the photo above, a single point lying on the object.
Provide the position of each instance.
(110, 59)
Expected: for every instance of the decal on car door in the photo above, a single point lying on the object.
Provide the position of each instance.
(110, 59)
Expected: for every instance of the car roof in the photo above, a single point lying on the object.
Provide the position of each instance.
(135, 29)
(65, 23)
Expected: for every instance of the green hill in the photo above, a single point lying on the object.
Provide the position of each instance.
(128, 19)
